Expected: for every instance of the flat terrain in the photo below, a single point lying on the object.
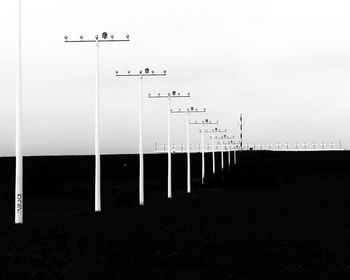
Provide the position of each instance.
(276, 215)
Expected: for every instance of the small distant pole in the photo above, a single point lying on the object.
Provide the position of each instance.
(213, 146)
(222, 156)
(226, 137)
(340, 144)
(234, 154)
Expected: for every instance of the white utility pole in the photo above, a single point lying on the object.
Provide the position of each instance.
(19, 154)
(97, 41)
(212, 132)
(169, 97)
(188, 112)
(225, 137)
(203, 123)
(234, 154)
(97, 132)
(141, 74)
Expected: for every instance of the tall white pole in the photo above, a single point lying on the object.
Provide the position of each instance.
(169, 152)
(188, 154)
(97, 133)
(141, 180)
(222, 157)
(203, 156)
(213, 151)
(19, 155)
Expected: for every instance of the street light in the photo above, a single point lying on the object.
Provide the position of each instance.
(141, 74)
(97, 40)
(169, 96)
(203, 123)
(19, 154)
(188, 111)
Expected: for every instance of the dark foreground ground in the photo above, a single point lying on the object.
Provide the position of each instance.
(275, 216)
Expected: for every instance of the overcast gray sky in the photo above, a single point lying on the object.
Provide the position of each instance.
(283, 64)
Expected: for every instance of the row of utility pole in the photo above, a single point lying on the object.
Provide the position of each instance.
(146, 73)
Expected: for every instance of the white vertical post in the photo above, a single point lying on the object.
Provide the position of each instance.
(169, 152)
(203, 156)
(97, 133)
(222, 156)
(234, 155)
(19, 155)
(188, 154)
(141, 179)
(229, 156)
(213, 151)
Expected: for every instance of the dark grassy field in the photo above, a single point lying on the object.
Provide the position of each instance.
(276, 215)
